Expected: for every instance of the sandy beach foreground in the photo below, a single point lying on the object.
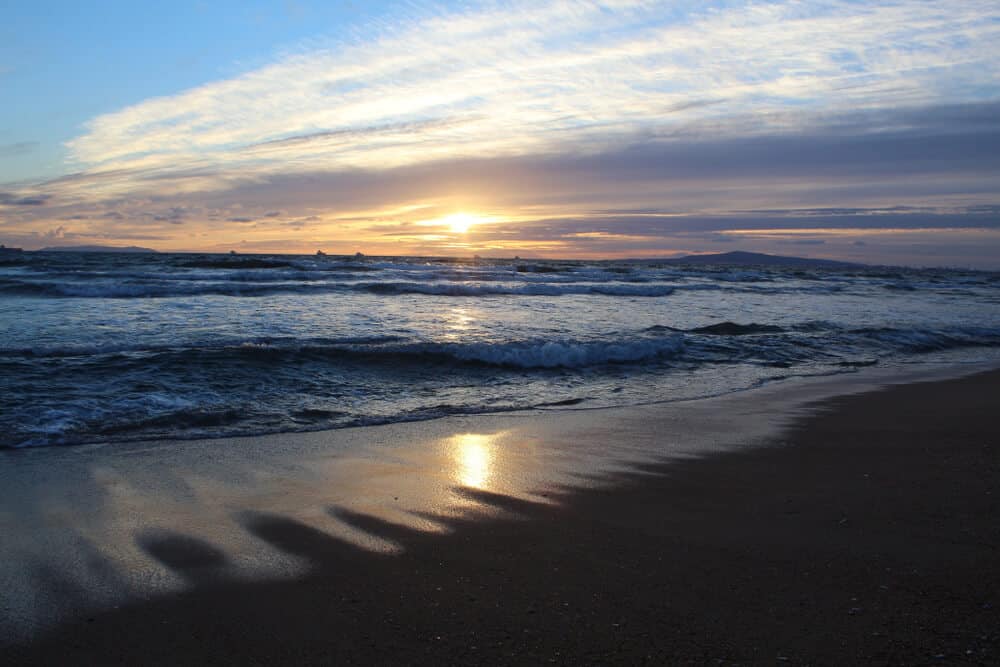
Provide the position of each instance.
(863, 532)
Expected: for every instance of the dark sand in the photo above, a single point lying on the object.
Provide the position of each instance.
(868, 535)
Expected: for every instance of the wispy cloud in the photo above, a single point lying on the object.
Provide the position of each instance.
(17, 148)
(527, 78)
(8, 199)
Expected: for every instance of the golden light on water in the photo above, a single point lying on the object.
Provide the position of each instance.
(458, 321)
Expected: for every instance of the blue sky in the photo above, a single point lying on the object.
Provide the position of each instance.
(865, 131)
(65, 62)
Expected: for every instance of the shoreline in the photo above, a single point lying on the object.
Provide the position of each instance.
(584, 495)
(862, 378)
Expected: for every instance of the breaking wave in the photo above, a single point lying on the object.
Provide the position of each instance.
(241, 288)
(90, 355)
(698, 344)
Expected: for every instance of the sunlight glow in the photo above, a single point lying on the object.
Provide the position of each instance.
(473, 454)
(459, 223)
(457, 323)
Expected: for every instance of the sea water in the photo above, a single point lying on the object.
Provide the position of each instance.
(104, 347)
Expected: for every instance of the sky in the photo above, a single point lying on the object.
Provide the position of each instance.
(862, 131)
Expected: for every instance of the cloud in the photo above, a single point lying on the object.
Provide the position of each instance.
(329, 137)
(711, 226)
(60, 235)
(925, 173)
(18, 148)
(175, 215)
(530, 78)
(803, 174)
(8, 199)
(802, 241)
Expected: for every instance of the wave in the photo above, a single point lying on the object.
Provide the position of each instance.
(165, 289)
(223, 422)
(302, 272)
(291, 344)
(559, 354)
(265, 282)
(724, 342)
(529, 354)
(925, 340)
(524, 355)
(290, 275)
(728, 328)
(530, 289)
(734, 329)
(127, 278)
(126, 290)
(282, 384)
(241, 263)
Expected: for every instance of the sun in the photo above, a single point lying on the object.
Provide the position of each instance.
(459, 223)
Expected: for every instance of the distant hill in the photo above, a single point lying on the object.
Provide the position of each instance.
(740, 258)
(96, 248)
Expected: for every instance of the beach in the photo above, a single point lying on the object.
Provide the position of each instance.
(802, 528)
(583, 332)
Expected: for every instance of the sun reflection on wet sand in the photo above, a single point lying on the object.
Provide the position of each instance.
(125, 520)
(473, 454)
(159, 517)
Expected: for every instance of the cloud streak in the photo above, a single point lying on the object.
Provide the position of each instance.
(17, 148)
(531, 78)
(8, 199)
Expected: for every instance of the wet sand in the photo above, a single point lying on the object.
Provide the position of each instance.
(867, 532)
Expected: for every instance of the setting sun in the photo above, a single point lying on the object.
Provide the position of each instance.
(459, 223)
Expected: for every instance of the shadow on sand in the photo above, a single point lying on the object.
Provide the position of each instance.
(858, 545)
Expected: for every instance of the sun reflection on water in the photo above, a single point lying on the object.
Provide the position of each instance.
(459, 321)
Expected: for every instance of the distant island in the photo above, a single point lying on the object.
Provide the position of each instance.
(96, 248)
(740, 258)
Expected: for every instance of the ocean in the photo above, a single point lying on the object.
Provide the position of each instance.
(111, 347)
